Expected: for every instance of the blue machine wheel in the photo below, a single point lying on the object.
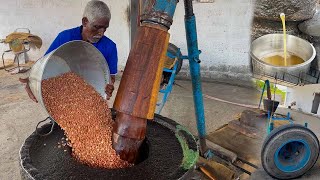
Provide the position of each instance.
(172, 52)
(289, 151)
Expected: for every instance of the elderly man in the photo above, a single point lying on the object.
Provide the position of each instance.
(95, 21)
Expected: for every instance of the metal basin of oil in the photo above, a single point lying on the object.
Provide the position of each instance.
(300, 54)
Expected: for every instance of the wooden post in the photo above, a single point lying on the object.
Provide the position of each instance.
(138, 91)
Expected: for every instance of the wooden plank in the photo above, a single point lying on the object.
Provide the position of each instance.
(244, 147)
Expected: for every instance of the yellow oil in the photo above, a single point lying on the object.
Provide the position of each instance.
(278, 60)
(283, 19)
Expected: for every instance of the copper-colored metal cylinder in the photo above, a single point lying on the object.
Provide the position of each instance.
(138, 91)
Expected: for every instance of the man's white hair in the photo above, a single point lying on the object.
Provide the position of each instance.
(96, 9)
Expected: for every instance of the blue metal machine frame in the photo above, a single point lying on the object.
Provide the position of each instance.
(166, 92)
(272, 118)
(167, 8)
(266, 84)
(286, 158)
(194, 61)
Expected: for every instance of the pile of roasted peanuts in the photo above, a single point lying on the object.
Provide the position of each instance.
(85, 118)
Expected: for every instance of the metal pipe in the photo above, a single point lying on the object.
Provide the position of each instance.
(188, 8)
(268, 89)
(315, 103)
(193, 56)
(261, 97)
(159, 12)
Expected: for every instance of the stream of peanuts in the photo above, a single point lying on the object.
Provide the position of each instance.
(85, 118)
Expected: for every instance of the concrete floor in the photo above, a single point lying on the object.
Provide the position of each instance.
(180, 106)
(19, 115)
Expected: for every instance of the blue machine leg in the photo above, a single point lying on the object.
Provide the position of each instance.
(193, 56)
(261, 95)
(266, 85)
(168, 89)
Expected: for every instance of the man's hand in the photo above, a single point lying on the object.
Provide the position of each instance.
(109, 87)
(27, 88)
